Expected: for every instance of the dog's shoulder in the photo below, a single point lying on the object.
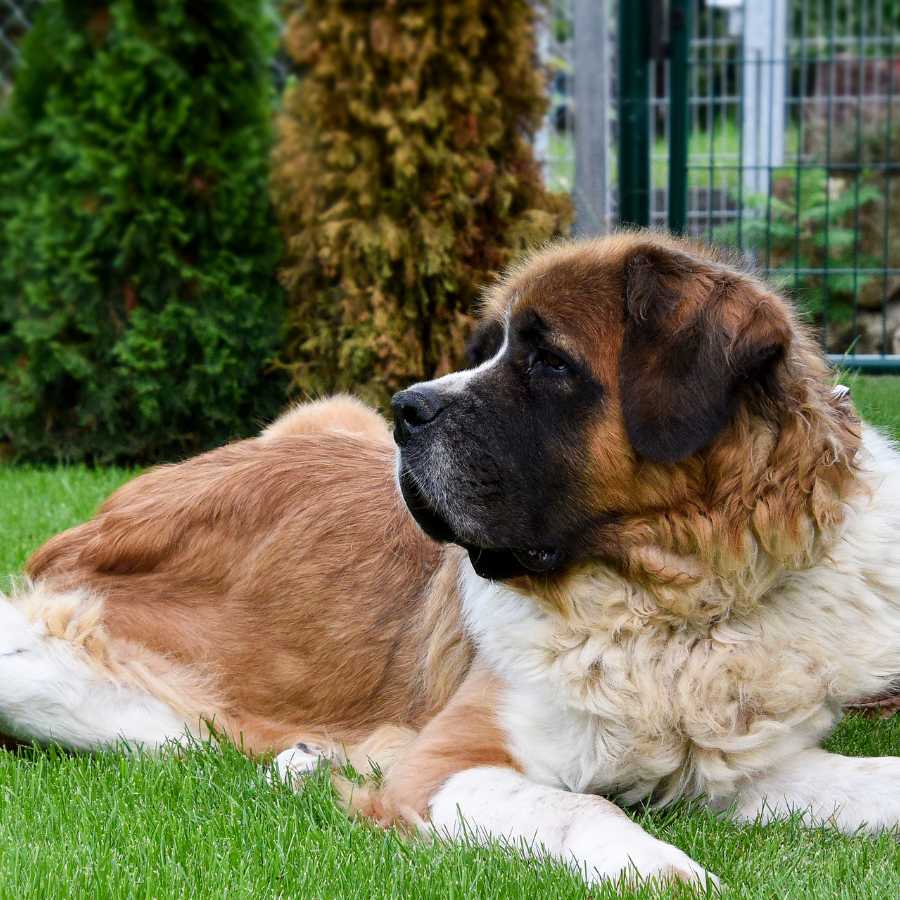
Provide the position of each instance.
(339, 413)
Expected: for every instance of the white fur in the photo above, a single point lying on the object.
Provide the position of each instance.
(456, 382)
(623, 702)
(588, 833)
(850, 793)
(294, 765)
(51, 692)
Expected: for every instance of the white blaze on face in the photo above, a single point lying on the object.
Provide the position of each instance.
(439, 462)
(456, 382)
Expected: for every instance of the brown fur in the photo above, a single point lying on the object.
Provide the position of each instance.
(234, 564)
(773, 480)
(463, 735)
(341, 413)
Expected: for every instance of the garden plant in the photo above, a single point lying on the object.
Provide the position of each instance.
(139, 304)
(405, 179)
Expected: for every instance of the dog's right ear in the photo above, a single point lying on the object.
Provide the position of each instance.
(485, 341)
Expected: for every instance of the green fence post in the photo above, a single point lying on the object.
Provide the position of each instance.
(634, 118)
(680, 44)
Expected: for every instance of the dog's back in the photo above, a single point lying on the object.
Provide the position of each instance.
(282, 578)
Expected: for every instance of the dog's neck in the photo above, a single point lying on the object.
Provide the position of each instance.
(742, 531)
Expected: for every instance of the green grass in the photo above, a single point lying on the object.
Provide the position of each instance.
(40, 502)
(207, 824)
(878, 399)
(714, 158)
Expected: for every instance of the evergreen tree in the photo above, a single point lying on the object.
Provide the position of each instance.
(139, 306)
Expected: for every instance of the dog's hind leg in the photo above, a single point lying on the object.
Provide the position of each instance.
(294, 765)
(55, 685)
(376, 753)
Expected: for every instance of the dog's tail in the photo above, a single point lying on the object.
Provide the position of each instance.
(63, 680)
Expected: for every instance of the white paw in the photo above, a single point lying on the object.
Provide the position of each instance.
(638, 857)
(294, 765)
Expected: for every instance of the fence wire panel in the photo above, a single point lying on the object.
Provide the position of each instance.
(555, 142)
(577, 48)
(793, 154)
(16, 17)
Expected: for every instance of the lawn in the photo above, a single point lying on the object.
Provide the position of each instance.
(208, 824)
(714, 157)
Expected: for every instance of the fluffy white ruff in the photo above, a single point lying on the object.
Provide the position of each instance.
(617, 700)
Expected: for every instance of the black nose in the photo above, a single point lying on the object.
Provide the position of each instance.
(415, 408)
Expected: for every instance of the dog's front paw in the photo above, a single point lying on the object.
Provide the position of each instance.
(294, 765)
(634, 855)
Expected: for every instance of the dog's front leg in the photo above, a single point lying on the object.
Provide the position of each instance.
(459, 778)
(586, 832)
(847, 792)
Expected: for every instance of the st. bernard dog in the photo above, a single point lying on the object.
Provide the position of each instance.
(642, 550)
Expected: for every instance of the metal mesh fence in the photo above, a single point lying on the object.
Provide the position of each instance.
(16, 17)
(793, 146)
(555, 142)
(793, 154)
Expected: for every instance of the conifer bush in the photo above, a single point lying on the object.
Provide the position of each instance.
(405, 179)
(139, 303)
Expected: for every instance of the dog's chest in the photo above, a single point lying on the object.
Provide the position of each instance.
(569, 708)
(637, 710)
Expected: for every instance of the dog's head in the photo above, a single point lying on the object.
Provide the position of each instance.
(605, 375)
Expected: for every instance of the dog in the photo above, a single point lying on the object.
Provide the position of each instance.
(641, 550)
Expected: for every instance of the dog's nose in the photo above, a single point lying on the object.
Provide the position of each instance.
(415, 408)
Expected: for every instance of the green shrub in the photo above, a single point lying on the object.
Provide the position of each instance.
(138, 301)
(805, 229)
(405, 180)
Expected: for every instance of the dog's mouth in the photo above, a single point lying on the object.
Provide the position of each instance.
(493, 563)
(499, 565)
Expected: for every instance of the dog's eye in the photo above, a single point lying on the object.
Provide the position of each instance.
(547, 361)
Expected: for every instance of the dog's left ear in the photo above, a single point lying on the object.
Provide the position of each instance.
(697, 335)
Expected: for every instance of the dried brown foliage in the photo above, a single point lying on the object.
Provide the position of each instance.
(405, 179)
